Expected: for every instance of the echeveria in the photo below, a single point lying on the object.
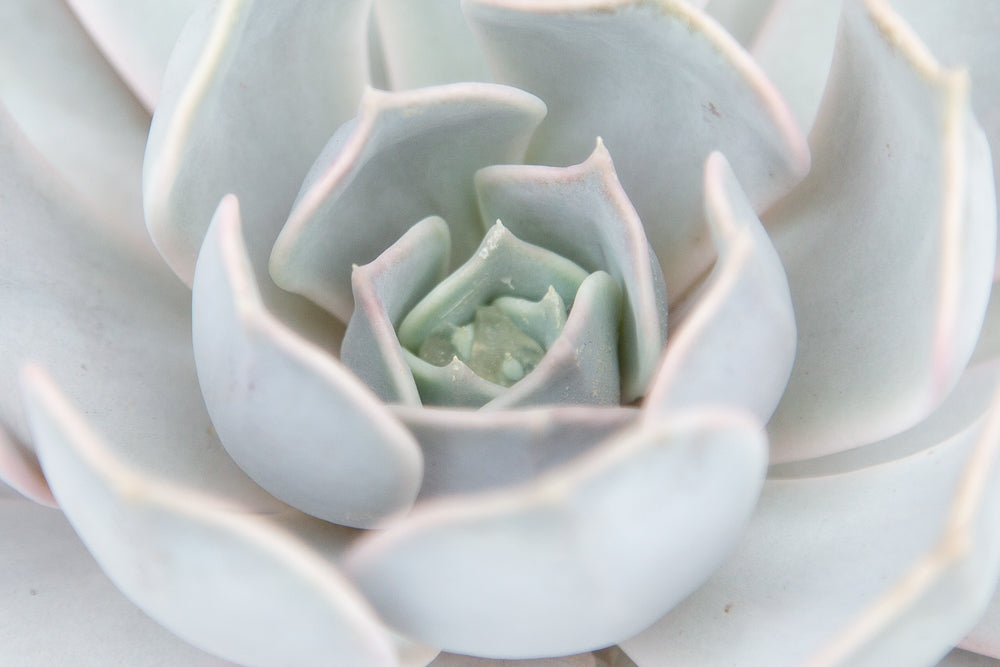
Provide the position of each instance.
(499, 311)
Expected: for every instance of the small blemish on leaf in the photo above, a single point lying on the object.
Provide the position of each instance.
(710, 108)
(726, 609)
(32, 592)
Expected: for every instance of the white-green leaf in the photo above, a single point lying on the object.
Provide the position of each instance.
(220, 576)
(384, 291)
(664, 85)
(407, 155)
(580, 558)
(582, 213)
(288, 412)
(889, 564)
(735, 343)
(137, 37)
(252, 92)
(890, 262)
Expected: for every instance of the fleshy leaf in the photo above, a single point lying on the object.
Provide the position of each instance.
(581, 366)
(795, 48)
(504, 265)
(582, 213)
(384, 291)
(904, 556)
(376, 56)
(136, 37)
(552, 567)
(466, 451)
(542, 319)
(408, 155)
(113, 329)
(964, 35)
(664, 85)
(428, 44)
(967, 400)
(454, 385)
(57, 606)
(736, 344)
(253, 90)
(741, 18)
(231, 582)
(889, 262)
(297, 421)
(77, 113)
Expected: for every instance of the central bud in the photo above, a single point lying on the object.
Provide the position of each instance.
(489, 324)
(505, 339)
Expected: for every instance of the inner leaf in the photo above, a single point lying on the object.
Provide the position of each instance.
(505, 340)
(497, 314)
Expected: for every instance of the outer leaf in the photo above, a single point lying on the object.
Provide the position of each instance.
(966, 401)
(904, 556)
(578, 559)
(742, 18)
(288, 412)
(137, 37)
(77, 113)
(428, 44)
(58, 608)
(582, 213)
(883, 341)
(736, 344)
(795, 48)
(466, 451)
(963, 34)
(664, 85)
(407, 156)
(252, 92)
(228, 581)
(114, 330)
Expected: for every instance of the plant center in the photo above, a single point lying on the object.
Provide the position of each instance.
(504, 341)
(488, 324)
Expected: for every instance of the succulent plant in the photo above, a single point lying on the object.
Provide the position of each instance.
(516, 330)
